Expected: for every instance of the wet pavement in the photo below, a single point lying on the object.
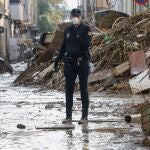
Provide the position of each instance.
(37, 107)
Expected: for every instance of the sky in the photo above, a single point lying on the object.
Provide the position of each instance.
(72, 3)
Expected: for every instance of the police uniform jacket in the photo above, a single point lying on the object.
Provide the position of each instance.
(76, 42)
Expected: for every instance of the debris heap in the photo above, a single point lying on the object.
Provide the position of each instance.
(5, 66)
(112, 55)
(112, 49)
(129, 35)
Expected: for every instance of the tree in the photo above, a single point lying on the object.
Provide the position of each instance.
(49, 14)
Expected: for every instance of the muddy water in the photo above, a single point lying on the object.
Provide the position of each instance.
(36, 107)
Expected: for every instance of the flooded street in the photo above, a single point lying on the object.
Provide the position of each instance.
(37, 107)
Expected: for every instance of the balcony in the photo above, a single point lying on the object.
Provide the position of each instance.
(14, 1)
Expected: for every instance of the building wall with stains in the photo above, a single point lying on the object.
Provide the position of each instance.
(5, 25)
(129, 6)
(126, 6)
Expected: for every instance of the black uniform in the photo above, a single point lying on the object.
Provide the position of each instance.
(75, 51)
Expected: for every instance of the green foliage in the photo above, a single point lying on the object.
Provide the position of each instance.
(43, 7)
(49, 14)
(45, 25)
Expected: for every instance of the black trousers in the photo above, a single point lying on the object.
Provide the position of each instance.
(71, 70)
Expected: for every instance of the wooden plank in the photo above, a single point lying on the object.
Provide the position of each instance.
(100, 75)
(61, 127)
(101, 4)
(100, 120)
(140, 83)
(137, 62)
(121, 68)
(125, 66)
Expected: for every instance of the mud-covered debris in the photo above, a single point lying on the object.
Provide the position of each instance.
(5, 66)
(109, 51)
(21, 126)
(49, 106)
(146, 141)
(136, 118)
(61, 127)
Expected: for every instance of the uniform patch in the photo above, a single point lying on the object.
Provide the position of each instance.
(89, 33)
(68, 35)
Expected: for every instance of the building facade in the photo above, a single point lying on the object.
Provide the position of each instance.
(24, 14)
(88, 7)
(4, 28)
(129, 7)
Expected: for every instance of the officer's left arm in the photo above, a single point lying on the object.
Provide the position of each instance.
(62, 49)
(86, 39)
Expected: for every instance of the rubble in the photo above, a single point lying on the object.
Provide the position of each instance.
(49, 44)
(140, 83)
(109, 51)
(136, 118)
(146, 141)
(5, 66)
(21, 126)
(104, 19)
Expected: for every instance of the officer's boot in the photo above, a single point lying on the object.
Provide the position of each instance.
(68, 118)
(84, 118)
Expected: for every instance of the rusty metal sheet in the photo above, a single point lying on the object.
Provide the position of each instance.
(137, 62)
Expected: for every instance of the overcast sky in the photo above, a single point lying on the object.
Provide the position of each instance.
(72, 3)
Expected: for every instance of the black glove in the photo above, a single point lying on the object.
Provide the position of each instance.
(56, 66)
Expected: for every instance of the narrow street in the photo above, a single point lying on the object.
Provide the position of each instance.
(36, 107)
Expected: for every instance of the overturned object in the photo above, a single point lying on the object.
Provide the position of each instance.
(136, 118)
(145, 115)
(21, 126)
(140, 83)
(106, 18)
(5, 67)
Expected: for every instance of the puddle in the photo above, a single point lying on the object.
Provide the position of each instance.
(34, 107)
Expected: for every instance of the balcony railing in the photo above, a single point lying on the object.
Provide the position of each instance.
(14, 1)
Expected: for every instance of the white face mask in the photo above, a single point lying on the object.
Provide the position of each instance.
(75, 20)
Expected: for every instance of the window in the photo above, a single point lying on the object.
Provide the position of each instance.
(88, 2)
(14, 1)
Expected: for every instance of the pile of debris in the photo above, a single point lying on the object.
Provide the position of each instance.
(123, 52)
(40, 69)
(104, 19)
(118, 55)
(5, 66)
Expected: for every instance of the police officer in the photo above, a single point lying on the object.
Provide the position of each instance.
(75, 51)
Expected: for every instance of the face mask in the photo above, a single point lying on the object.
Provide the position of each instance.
(75, 20)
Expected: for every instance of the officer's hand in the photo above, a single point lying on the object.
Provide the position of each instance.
(56, 67)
